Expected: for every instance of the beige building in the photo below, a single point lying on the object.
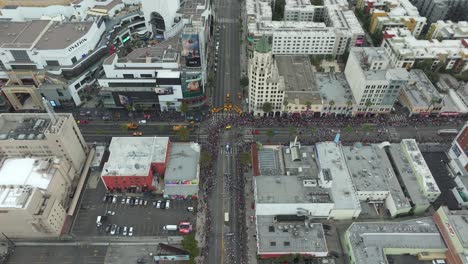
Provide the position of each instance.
(37, 134)
(34, 196)
(21, 91)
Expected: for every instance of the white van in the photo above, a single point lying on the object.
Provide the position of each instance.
(170, 227)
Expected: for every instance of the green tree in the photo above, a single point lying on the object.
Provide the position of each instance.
(330, 104)
(348, 129)
(270, 133)
(183, 134)
(313, 130)
(366, 128)
(308, 105)
(244, 81)
(190, 244)
(368, 104)
(205, 159)
(292, 131)
(183, 108)
(160, 128)
(245, 158)
(329, 57)
(285, 104)
(267, 107)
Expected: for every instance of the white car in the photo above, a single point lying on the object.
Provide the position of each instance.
(142, 122)
(113, 229)
(114, 199)
(123, 200)
(125, 231)
(167, 204)
(130, 231)
(158, 205)
(128, 200)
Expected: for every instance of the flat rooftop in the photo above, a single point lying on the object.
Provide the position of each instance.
(289, 189)
(192, 9)
(334, 86)
(183, 162)
(132, 156)
(293, 237)
(34, 3)
(420, 89)
(407, 175)
(372, 171)
(459, 221)
(303, 165)
(419, 165)
(18, 176)
(330, 159)
(270, 160)
(370, 239)
(42, 34)
(298, 77)
(27, 126)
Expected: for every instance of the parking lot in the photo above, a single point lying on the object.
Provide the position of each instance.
(145, 220)
(58, 255)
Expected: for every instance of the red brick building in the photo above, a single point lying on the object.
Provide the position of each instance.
(135, 162)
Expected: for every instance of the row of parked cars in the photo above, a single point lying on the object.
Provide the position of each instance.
(119, 230)
(134, 201)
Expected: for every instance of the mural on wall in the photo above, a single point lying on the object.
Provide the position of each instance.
(191, 50)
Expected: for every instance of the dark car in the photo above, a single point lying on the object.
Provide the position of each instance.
(108, 228)
(163, 205)
(119, 230)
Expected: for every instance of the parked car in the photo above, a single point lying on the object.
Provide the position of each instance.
(145, 203)
(125, 231)
(114, 199)
(136, 201)
(108, 228)
(141, 201)
(113, 229)
(119, 230)
(104, 199)
(163, 205)
(130, 231)
(158, 204)
(128, 200)
(167, 204)
(123, 200)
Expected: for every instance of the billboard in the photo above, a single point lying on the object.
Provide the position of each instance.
(192, 85)
(164, 91)
(191, 50)
(126, 98)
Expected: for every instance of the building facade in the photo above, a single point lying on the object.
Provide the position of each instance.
(265, 84)
(435, 10)
(34, 194)
(42, 135)
(375, 84)
(448, 30)
(458, 155)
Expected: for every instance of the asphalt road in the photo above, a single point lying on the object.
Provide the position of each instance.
(58, 255)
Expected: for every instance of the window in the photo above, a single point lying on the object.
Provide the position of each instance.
(59, 93)
(287, 243)
(20, 55)
(273, 244)
(128, 76)
(74, 60)
(145, 75)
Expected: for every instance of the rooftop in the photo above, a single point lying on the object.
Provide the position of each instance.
(372, 171)
(300, 162)
(334, 87)
(294, 237)
(28, 126)
(420, 89)
(183, 162)
(298, 79)
(262, 45)
(270, 160)
(407, 175)
(330, 158)
(19, 175)
(419, 165)
(192, 9)
(370, 239)
(42, 34)
(132, 156)
(290, 189)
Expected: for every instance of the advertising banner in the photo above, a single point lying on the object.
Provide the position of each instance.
(191, 50)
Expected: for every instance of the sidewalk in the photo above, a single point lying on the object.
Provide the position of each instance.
(250, 219)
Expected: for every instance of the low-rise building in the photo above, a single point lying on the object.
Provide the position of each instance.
(135, 163)
(404, 50)
(456, 95)
(34, 196)
(182, 173)
(458, 155)
(448, 30)
(426, 181)
(372, 242)
(419, 95)
(337, 97)
(408, 179)
(374, 179)
(374, 83)
(280, 236)
(302, 10)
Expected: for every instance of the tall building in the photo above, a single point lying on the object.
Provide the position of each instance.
(306, 29)
(42, 135)
(375, 84)
(435, 10)
(34, 195)
(265, 84)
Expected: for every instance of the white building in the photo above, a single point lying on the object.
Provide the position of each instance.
(69, 49)
(338, 30)
(34, 194)
(373, 81)
(265, 83)
(426, 181)
(403, 49)
(149, 77)
(161, 15)
(458, 154)
(302, 10)
(374, 179)
(448, 30)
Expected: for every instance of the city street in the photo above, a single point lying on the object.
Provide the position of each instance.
(58, 255)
